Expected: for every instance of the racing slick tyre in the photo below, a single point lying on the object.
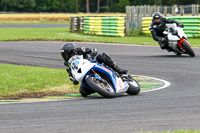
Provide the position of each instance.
(134, 87)
(84, 91)
(188, 49)
(103, 88)
(177, 53)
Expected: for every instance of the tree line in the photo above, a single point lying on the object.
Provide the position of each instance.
(85, 6)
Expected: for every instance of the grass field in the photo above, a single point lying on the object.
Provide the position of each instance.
(18, 82)
(64, 34)
(24, 81)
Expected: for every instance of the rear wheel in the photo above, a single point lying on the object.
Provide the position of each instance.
(101, 87)
(188, 49)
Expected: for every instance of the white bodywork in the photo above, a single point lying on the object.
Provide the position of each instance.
(79, 66)
(173, 39)
(121, 86)
(180, 31)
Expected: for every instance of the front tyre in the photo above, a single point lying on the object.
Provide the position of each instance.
(104, 89)
(134, 87)
(188, 49)
(84, 91)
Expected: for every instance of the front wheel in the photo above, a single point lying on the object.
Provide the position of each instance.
(188, 49)
(134, 87)
(84, 91)
(103, 88)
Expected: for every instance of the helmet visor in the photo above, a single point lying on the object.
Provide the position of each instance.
(157, 20)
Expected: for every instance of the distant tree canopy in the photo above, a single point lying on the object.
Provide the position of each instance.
(73, 6)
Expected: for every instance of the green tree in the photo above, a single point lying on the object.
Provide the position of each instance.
(4, 4)
(113, 5)
(54, 6)
(7, 4)
(122, 5)
(70, 5)
(171, 2)
(18, 5)
(42, 5)
(26, 5)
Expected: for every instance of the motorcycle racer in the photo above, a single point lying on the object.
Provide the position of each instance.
(157, 27)
(69, 49)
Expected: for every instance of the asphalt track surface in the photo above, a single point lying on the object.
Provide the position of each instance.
(173, 108)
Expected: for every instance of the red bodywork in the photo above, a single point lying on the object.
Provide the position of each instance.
(180, 41)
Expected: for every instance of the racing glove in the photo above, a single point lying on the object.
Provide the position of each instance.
(74, 81)
(163, 39)
(181, 25)
(93, 52)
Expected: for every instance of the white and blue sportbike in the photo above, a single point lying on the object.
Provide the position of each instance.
(98, 78)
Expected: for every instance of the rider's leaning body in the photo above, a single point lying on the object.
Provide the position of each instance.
(157, 28)
(69, 49)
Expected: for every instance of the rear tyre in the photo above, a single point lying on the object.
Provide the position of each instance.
(134, 87)
(178, 54)
(104, 89)
(188, 49)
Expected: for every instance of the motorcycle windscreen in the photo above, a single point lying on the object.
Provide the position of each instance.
(80, 68)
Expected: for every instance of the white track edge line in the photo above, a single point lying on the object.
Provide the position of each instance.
(166, 83)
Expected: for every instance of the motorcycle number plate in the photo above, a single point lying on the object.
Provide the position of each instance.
(75, 65)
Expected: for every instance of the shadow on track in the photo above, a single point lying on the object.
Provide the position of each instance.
(170, 56)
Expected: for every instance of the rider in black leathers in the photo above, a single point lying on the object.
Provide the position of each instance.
(157, 27)
(69, 49)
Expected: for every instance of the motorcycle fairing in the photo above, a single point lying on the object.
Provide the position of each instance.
(179, 43)
(180, 33)
(80, 68)
(117, 82)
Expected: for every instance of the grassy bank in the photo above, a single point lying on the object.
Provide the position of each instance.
(24, 81)
(64, 34)
(18, 82)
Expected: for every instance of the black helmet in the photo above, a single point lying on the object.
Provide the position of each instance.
(68, 50)
(156, 17)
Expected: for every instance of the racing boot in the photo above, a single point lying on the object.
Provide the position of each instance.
(120, 70)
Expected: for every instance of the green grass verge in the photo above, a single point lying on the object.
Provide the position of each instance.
(24, 81)
(64, 34)
(32, 82)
